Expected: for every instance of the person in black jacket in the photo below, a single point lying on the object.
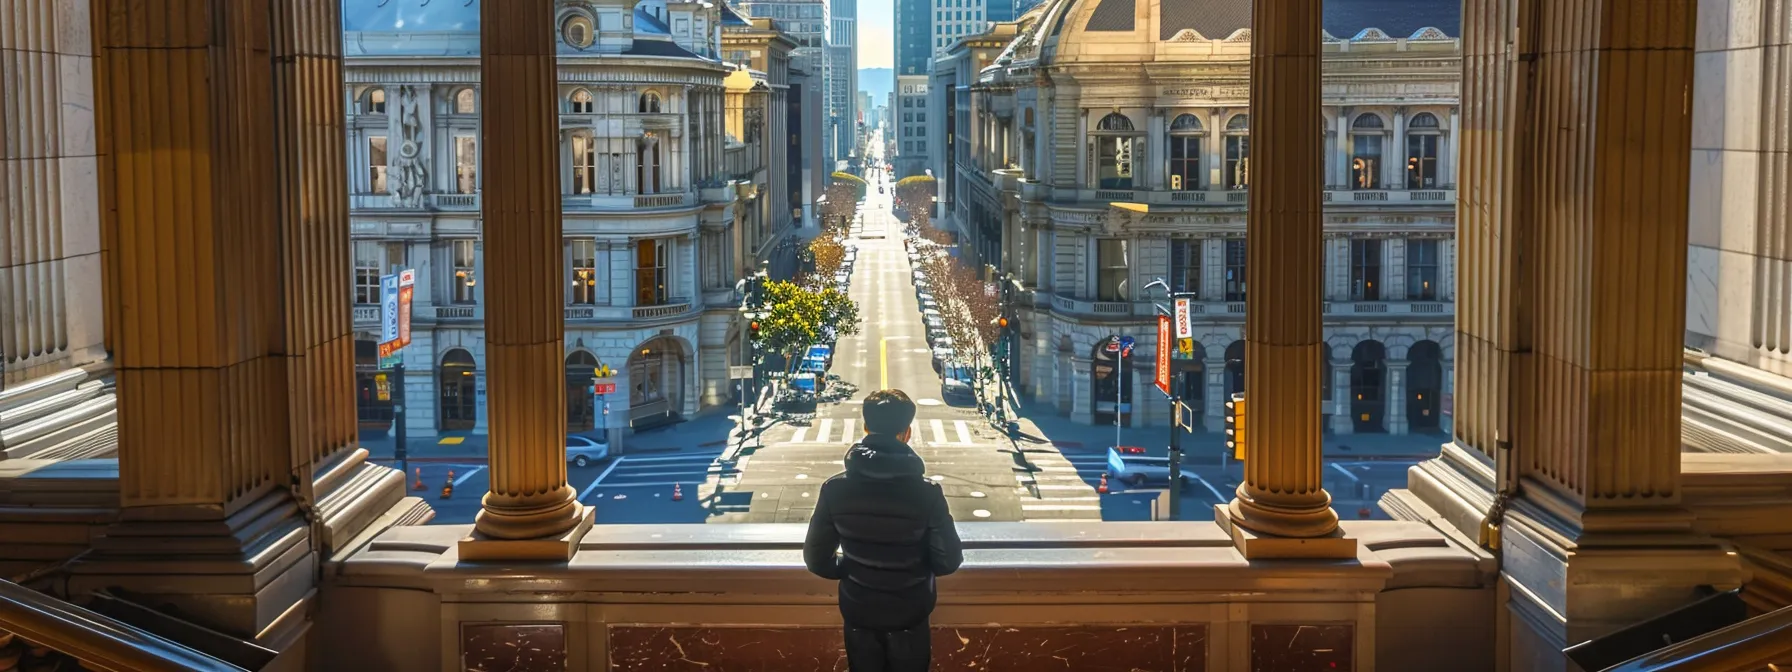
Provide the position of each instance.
(894, 534)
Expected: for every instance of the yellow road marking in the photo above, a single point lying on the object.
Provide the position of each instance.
(883, 364)
(451, 440)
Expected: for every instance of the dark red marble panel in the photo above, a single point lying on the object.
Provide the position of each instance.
(1180, 648)
(513, 647)
(1292, 647)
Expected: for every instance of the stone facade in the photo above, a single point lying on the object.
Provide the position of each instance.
(1039, 144)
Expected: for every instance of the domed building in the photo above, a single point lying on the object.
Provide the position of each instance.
(1084, 104)
(653, 223)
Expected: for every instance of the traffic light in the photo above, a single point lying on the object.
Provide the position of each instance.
(1002, 322)
(1235, 426)
(754, 327)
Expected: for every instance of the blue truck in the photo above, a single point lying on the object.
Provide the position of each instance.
(811, 373)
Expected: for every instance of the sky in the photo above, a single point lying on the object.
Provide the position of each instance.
(877, 31)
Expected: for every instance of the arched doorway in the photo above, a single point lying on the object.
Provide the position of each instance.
(1234, 369)
(656, 383)
(373, 412)
(458, 390)
(581, 415)
(1368, 387)
(1424, 385)
(1110, 381)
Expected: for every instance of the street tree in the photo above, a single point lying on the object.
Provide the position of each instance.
(916, 192)
(828, 252)
(794, 317)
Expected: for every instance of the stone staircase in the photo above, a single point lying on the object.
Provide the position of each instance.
(70, 415)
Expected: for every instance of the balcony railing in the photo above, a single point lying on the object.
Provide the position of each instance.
(624, 202)
(659, 200)
(455, 201)
(580, 312)
(1038, 192)
(1233, 309)
(454, 312)
(669, 308)
(365, 314)
(99, 641)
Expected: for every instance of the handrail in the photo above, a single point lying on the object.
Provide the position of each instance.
(1709, 362)
(98, 641)
(1743, 647)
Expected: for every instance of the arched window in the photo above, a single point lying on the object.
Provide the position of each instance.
(576, 31)
(1112, 146)
(581, 102)
(650, 103)
(1186, 134)
(1365, 152)
(1422, 145)
(1238, 151)
(463, 102)
(375, 101)
(647, 164)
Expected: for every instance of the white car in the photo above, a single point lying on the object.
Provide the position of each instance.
(584, 450)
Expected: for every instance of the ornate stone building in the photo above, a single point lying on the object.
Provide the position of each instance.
(1049, 123)
(657, 194)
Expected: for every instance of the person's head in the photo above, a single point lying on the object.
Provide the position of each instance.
(889, 413)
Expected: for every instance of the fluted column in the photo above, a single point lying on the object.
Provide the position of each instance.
(1282, 495)
(531, 512)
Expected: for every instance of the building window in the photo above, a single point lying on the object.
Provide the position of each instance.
(1365, 152)
(1185, 266)
(465, 281)
(1186, 135)
(1235, 279)
(1421, 151)
(1238, 153)
(581, 102)
(376, 164)
(647, 165)
(584, 164)
(1365, 270)
(1115, 269)
(375, 102)
(463, 102)
(1421, 270)
(577, 31)
(584, 272)
(650, 103)
(650, 272)
(1113, 151)
(466, 164)
(367, 272)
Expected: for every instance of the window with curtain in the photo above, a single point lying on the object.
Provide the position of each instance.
(1365, 270)
(1185, 266)
(1235, 258)
(584, 272)
(1238, 152)
(1114, 268)
(1113, 151)
(466, 164)
(375, 102)
(581, 102)
(1421, 270)
(1365, 152)
(465, 283)
(650, 272)
(1186, 136)
(376, 164)
(1422, 139)
(584, 164)
(368, 267)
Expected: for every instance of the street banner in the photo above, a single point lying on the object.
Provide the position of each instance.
(388, 308)
(1185, 323)
(1163, 354)
(395, 311)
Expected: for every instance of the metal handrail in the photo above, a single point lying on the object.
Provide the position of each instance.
(1743, 372)
(1743, 647)
(98, 641)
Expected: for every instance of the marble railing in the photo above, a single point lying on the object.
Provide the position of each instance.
(1168, 596)
(1034, 191)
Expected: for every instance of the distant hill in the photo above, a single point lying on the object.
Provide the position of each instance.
(878, 82)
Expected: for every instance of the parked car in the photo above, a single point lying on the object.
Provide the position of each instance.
(1133, 466)
(934, 323)
(940, 357)
(955, 385)
(584, 450)
(928, 305)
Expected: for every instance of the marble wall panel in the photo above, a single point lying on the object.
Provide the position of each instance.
(1094, 648)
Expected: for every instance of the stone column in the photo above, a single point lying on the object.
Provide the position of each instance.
(1394, 163)
(1396, 399)
(1215, 371)
(1282, 508)
(1341, 420)
(531, 512)
(1341, 162)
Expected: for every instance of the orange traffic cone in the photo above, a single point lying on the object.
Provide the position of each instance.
(677, 493)
(1103, 488)
(419, 484)
(448, 485)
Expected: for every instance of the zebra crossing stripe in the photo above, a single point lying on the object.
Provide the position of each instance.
(964, 433)
(826, 428)
(801, 434)
(846, 435)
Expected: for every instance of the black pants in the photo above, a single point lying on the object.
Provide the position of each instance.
(889, 650)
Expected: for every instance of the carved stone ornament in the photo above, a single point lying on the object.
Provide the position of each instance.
(412, 171)
(1116, 222)
(1188, 35)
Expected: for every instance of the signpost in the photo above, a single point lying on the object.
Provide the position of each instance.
(602, 384)
(1163, 355)
(1162, 379)
(395, 333)
(740, 375)
(1185, 322)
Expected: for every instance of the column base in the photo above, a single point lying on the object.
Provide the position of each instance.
(1259, 546)
(479, 547)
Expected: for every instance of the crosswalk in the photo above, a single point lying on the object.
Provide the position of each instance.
(1061, 487)
(688, 469)
(843, 431)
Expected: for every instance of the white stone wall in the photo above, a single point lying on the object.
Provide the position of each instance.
(1739, 262)
(51, 313)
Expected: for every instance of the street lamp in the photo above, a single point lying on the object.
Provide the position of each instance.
(1175, 410)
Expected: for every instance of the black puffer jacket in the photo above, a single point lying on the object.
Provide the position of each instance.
(894, 532)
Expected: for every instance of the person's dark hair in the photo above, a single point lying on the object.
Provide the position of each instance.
(888, 412)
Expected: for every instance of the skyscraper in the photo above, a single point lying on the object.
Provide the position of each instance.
(843, 58)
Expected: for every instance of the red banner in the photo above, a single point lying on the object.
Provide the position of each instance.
(1164, 341)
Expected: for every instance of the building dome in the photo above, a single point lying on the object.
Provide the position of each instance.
(1134, 30)
(451, 28)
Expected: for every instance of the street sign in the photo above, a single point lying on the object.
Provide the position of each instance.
(1185, 416)
(739, 372)
(1126, 344)
(388, 308)
(1163, 354)
(603, 385)
(395, 311)
(1185, 323)
(390, 361)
